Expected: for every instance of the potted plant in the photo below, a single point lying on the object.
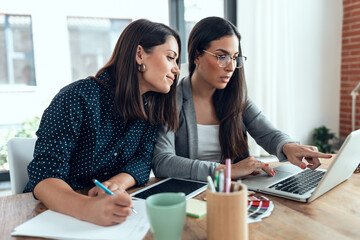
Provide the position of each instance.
(323, 139)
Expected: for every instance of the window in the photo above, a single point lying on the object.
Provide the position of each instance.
(195, 10)
(184, 14)
(16, 50)
(92, 41)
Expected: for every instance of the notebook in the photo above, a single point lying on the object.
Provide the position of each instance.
(54, 225)
(296, 184)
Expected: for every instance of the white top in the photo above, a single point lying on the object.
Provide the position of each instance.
(208, 143)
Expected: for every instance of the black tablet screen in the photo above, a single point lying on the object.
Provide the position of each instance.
(172, 185)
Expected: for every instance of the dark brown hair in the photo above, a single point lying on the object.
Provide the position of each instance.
(229, 102)
(122, 68)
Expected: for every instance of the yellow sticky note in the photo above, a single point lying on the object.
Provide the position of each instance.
(195, 208)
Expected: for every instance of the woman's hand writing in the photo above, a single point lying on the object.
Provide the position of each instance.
(107, 210)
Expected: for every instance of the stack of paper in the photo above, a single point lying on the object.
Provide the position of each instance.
(195, 208)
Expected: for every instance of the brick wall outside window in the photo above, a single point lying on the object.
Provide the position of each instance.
(350, 66)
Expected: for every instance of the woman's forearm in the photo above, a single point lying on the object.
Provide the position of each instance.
(58, 196)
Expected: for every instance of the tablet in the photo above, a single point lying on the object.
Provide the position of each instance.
(189, 187)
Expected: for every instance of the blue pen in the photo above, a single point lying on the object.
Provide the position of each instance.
(100, 185)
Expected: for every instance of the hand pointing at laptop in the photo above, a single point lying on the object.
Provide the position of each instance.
(296, 153)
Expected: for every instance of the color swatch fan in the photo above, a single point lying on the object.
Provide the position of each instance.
(258, 207)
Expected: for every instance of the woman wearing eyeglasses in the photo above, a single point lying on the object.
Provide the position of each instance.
(215, 114)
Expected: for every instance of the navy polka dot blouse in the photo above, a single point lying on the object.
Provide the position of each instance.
(81, 137)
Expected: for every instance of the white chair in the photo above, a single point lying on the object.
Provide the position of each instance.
(20, 153)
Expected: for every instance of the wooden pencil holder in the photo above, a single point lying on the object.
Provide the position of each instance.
(227, 214)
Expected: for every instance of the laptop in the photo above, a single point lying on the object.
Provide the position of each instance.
(296, 184)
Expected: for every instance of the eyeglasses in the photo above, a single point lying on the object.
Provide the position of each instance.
(224, 60)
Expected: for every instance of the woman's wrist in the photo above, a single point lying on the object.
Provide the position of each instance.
(286, 148)
(82, 210)
(123, 180)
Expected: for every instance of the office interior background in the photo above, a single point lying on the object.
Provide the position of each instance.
(303, 55)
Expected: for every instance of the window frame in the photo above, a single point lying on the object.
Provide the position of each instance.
(87, 28)
(177, 19)
(12, 55)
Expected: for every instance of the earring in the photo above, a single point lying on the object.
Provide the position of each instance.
(141, 68)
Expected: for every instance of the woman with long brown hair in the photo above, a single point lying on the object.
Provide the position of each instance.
(104, 127)
(215, 114)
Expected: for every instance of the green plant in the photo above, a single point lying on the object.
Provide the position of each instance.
(323, 139)
(27, 129)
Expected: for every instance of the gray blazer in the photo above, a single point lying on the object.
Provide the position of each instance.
(175, 154)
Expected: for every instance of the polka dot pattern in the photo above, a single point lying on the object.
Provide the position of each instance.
(81, 137)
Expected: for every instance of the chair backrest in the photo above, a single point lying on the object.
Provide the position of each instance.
(20, 153)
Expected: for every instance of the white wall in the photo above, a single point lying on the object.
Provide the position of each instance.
(51, 46)
(294, 50)
(293, 69)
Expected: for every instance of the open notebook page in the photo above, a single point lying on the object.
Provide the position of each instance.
(50, 224)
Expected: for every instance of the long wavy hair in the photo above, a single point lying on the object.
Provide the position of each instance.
(123, 71)
(231, 101)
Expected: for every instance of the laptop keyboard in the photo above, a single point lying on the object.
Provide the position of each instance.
(300, 183)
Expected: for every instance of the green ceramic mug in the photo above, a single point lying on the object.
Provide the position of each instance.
(166, 214)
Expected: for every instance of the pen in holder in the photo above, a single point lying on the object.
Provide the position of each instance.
(227, 213)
